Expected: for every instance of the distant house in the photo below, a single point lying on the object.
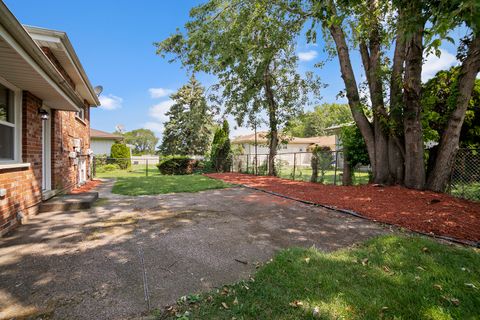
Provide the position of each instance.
(287, 145)
(101, 142)
(291, 149)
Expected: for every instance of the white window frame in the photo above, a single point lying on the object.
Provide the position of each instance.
(17, 110)
(80, 114)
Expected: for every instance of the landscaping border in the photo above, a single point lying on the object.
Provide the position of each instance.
(358, 215)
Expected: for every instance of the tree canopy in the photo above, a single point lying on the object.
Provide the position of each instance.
(249, 47)
(143, 141)
(438, 101)
(313, 123)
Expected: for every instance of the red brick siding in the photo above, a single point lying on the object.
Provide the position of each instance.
(65, 128)
(24, 185)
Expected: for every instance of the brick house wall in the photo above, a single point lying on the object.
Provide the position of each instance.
(42, 70)
(24, 185)
(65, 128)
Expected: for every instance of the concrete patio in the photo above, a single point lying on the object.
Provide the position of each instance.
(128, 255)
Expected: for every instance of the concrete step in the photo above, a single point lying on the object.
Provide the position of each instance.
(69, 202)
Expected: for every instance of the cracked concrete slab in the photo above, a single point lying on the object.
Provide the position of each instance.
(88, 264)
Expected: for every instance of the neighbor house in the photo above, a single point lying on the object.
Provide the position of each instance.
(291, 149)
(45, 100)
(287, 144)
(101, 142)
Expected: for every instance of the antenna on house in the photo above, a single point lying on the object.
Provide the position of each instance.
(98, 90)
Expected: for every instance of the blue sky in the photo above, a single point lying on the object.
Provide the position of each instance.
(114, 40)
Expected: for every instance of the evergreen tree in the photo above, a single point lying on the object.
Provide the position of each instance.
(220, 155)
(187, 132)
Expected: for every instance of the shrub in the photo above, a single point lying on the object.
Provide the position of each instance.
(322, 158)
(121, 155)
(177, 165)
(108, 167)
(220, 155)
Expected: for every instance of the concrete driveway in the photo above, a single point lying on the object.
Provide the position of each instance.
(131, 254)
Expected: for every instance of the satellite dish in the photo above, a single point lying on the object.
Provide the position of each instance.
(98, 90)
(120, 128)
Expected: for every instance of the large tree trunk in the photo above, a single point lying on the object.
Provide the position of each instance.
(371, 63)
(396, 147)
(272, 117)
(347, 171)
(414, 159)
(396, 160)
(438, 177)
(353, 97)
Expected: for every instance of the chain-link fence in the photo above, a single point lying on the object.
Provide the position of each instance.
(465, 177)
(106, 167)
(136, 166)
(328, 168)
(324, 167)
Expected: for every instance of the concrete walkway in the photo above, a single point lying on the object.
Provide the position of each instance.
(129, 254)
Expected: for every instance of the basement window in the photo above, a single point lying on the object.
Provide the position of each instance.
(10, 123)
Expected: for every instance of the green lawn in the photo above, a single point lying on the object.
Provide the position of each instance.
(134, 182)
(134, 171)
(390, 277)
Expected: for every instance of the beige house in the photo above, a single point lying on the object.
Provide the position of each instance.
(287, 145)
(291, 149)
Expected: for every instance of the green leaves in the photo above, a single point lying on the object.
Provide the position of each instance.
(143, 141)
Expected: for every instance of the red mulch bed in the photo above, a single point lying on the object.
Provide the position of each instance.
(92, 184)
(423, 211)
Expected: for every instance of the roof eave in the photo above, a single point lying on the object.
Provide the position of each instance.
(21, 36)
(73, 56)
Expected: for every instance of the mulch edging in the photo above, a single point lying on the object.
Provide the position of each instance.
(234, 178)
(88, 186)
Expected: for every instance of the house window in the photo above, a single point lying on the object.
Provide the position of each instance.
(81, 114)
(8, 125)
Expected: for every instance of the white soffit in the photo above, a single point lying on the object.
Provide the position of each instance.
(19, 69)
(58, 43)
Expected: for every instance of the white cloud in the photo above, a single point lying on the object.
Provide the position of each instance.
(159, 92)
(154, 126)
(433, 64)
(110, 102)
(158, 111)
(307, 55)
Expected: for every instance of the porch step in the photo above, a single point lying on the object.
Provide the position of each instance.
(68, 202)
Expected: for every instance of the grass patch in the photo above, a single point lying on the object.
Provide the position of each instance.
(390, 277)
(137, 170)
(137, 186)
(135, 182)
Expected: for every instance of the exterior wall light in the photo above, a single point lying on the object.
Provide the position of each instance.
(43, 114)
